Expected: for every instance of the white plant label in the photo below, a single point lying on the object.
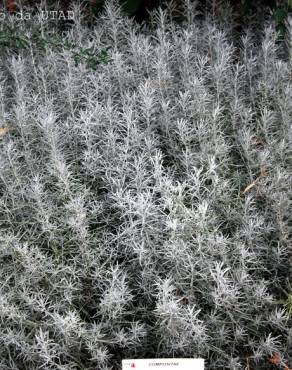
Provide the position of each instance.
(164, 363)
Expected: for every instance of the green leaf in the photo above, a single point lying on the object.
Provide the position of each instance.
(279, 15)
(131, 6)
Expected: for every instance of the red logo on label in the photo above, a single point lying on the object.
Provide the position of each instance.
(133, 364)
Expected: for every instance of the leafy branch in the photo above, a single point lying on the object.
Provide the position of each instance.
(11, 39)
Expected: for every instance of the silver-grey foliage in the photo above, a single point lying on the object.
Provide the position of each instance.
(146, 205)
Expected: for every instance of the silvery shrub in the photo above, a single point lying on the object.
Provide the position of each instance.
(145, 204)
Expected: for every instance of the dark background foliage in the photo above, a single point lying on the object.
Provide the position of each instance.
(140, 8)
(245, 11)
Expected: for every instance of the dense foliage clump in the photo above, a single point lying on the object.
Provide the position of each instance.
(146, 202)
